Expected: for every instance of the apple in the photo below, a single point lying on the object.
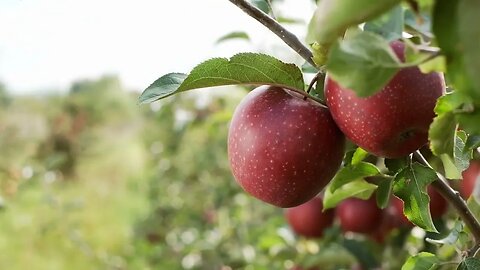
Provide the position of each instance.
(309, 219)
(283, 148)
(400, 220)
(438, 205)
(470, 176)
(394, 122)
(360, 216)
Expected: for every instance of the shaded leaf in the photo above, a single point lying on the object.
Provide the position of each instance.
(470, 37)
(384, 192)
(389, 25)
(364, 63)
(469, 264)
(394, 166)
(422, 26)
(451, 238)
(411, 186)
(364, 255)
(473, 142)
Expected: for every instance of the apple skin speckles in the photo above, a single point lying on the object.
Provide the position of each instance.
(394, 122)
(283, 149)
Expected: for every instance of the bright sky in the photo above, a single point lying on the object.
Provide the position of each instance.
(47, 44)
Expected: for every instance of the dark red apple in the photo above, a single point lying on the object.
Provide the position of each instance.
(283, 149)
(400, 219)
(438, 204)
(309, 219)
(360, 216)
(393, 122)
(470, 176)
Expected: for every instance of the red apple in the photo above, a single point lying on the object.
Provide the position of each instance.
(360, 216)
(438, 204)
(470, 176)
(309, 219)
(283, 149)
(400, 219)
(393, 122)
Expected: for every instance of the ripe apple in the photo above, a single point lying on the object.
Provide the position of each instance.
(393, 122)
(470, 176)
(438, 205)
(283, 149)
(360, 216)
(309, 219)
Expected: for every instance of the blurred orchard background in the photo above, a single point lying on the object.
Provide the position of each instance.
(90, 179)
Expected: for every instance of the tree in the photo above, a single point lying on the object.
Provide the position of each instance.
(349, 41)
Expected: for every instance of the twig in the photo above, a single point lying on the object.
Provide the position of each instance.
(290, 39)
(454, 198)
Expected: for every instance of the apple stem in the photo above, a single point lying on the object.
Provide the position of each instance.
(454, 198)
(314, 80)
(306, 95)
(290, 39)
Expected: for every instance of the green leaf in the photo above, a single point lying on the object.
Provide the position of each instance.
(451, 34)
(389, 25)
(358, 188)
(421, 261)
(450, 102)
(333, 17)
(422, 26)
(244, 68)
(363, 63)
(461, 155)
(394, 166)
(469, 264)
(353, 172)
(470, 38)
(384, 192)
(451, 170)
(437, 64)
(162, 87)
(411, 186)
(473, 142)
(233, 35)
(363, 254)
(442, 134)
(451, 238)
(262, 5)
(285, 20)
(359, 155)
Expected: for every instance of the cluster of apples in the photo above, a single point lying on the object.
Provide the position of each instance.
(356, 216)
(284, 148)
